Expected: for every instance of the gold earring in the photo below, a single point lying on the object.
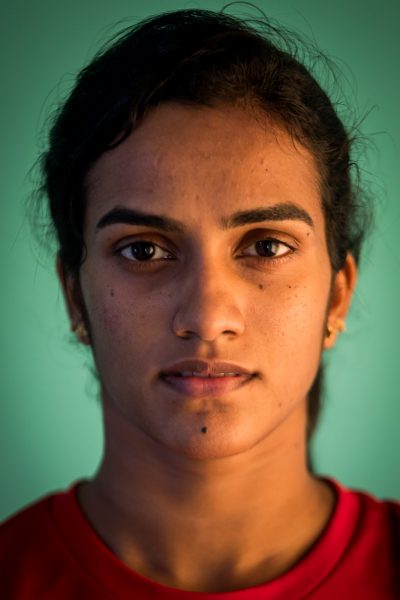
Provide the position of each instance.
(81, 331)
(337, 327)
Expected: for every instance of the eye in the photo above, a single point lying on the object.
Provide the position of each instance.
(144, 251)
(269, 248)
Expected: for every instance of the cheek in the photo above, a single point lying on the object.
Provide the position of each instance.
(124, 316)
(290, 326)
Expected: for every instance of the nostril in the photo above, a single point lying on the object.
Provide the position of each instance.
(186, 335)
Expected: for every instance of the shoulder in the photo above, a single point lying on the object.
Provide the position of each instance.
(374, 536)
(26, 522)
(30, 548)
(375, 517)
(28, 533)
(377, 512)
(360, 550)
(369, 506)
(380, 525)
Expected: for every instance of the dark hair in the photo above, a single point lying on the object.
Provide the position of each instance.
(205, 58)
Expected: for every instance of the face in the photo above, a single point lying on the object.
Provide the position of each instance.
(235, 268)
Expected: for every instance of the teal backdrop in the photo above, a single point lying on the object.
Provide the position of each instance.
(50, 423)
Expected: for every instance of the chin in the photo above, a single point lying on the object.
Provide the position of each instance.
(219, 441)
(211, 450)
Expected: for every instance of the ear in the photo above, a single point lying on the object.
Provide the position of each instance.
(341, 294)
(73, 301)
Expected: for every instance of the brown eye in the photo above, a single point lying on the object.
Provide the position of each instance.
(144, 251)
(269, 248)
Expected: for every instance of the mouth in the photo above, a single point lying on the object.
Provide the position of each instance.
(196, 377)
(197, 385)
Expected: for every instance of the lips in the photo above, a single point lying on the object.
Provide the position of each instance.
(206, 368)
(200, 378)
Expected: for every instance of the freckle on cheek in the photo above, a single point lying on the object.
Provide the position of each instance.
(260, 285)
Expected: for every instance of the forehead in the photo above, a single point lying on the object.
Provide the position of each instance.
(221, 159)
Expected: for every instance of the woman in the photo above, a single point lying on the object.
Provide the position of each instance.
(199, 182)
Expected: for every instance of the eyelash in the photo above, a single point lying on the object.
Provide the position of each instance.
(271, 260)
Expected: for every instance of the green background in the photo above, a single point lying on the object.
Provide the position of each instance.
(50, 425)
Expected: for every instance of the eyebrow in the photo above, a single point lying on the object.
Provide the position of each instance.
(283, 211)
(136, 217)
(278, 212)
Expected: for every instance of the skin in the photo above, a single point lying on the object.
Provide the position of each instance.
(236, 506)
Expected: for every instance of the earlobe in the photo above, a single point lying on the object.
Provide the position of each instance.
(72, 302)
(68, 292)
(81, 333)
(340, 300)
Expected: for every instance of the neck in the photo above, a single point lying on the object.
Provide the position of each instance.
(246, 518)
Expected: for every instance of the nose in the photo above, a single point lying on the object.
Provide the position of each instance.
(209, 306)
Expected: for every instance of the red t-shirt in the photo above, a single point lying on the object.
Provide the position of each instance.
(50, 551)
